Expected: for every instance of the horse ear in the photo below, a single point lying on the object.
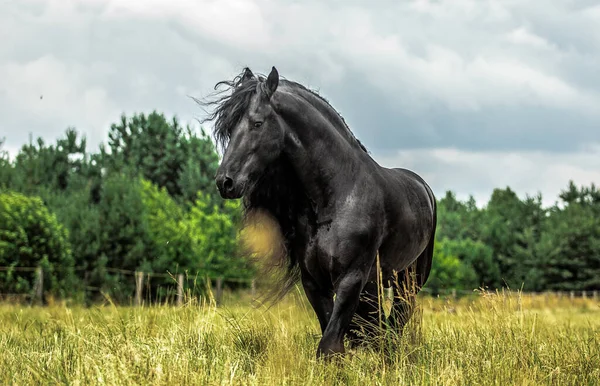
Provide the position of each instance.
(248, 75)
(272, 82)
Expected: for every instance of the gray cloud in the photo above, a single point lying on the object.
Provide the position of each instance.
(477, 173)
(440, 76)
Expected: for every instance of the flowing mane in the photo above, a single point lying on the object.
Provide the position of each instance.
(234, 99)
(278, 191)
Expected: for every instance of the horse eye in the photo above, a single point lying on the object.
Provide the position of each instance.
(257, 124)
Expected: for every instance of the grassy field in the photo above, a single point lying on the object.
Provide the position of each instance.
(484, 340)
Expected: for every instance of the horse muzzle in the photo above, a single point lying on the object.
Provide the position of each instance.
(228, 189)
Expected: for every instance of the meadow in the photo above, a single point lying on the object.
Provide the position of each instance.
(483, 339)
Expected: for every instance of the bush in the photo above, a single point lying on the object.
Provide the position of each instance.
(200, 241)
(31, 236)
(449, 272)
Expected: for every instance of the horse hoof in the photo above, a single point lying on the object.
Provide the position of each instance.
(330, 352)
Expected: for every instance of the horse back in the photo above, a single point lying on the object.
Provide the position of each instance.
(407, 192)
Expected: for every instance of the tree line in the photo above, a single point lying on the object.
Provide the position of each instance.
(518, 243)
(146, 201)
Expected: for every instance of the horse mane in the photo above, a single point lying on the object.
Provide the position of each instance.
(327, 109)
(279, 192)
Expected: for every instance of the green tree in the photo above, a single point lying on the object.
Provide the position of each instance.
(6, 169)
(31, 236)
(125, 241)
(569, 248)
(42, 168)
(449, 272)
(456, 219)
(201, 241)
(507, 221)
(479, 257)
(201, 165)
(213, 230)
(164, 218)
(164, 153)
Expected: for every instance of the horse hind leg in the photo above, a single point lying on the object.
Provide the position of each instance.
(369, 318)
(404, 301)
(406, 287)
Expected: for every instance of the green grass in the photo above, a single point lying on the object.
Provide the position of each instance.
(484, 340)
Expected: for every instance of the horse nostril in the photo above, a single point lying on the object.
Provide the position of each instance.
(228, 184)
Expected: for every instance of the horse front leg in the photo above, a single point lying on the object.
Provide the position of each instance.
(321, 299)
(347, 298)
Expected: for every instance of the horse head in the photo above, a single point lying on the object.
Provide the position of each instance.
(255, 139)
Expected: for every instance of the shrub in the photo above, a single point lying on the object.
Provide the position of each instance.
(31, 236)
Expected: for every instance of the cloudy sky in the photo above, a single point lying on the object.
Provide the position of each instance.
(473, 95)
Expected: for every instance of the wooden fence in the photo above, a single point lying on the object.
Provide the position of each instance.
(37, 292)
(139, 283)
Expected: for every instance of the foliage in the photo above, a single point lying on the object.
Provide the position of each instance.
(164, 153)
(31, 236)
(570, 243)
(171, 244)
(6, 172)
(517, 243)
(201, 240)
(214, 234)
(448, 271)
(479, 257)
(147, 204)
(147, 201)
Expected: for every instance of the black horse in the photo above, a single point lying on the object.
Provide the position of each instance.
(346, 221)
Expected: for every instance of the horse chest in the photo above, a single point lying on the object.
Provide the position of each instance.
(313, 258)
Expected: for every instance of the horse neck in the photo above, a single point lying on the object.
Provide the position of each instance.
(323, 157)
(336, 120)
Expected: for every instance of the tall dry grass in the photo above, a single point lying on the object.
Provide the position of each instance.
(499, 339)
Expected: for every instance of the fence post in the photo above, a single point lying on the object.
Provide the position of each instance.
(253, 288)
(139, 281)
(219, 289)
(180, 289)
(39, 288)
(572, 296)
(584, 294)
(453, 294)
(595, 295)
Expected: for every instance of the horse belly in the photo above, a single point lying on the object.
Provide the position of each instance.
(402, 247)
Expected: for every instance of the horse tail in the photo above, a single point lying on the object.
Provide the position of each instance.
(425, 260)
